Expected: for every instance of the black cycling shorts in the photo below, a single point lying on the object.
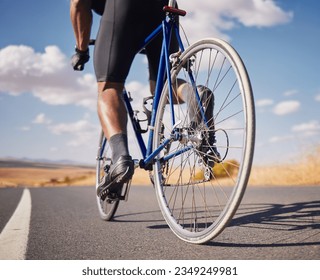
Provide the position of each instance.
(98, 6)
(123, 27)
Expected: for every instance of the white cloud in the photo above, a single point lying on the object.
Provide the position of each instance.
(308, 129)
(25, 128)
(23, 61)
(53, 149)
(300, 131)
(41, 119)
(138, 91)
(286, 107)
(82, 132)
(48, 76)
(317, 98)
(290, 92)
(264, 102)
(278, 139)
(213, 18)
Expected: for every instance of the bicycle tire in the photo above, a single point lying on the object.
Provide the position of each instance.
(107, 208)
(195, 207)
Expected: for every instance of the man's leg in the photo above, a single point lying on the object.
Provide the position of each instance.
(179, 91)
(111, 108)
(185, 93)
(113, 118)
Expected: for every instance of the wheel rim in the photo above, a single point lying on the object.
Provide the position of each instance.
(197, 210)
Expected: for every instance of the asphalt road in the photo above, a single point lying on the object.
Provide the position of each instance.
(271, 223)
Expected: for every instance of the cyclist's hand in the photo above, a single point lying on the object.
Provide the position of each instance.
(79, 59)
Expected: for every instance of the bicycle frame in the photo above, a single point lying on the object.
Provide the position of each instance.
(167, 27)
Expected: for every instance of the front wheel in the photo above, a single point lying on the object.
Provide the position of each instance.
(201, 175)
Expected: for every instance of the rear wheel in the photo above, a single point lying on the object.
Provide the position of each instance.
(202, 174)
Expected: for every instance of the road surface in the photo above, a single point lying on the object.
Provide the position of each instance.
(272, 223)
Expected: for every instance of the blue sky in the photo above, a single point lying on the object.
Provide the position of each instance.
(47, 111)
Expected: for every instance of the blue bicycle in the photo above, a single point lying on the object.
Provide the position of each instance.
(199, 150)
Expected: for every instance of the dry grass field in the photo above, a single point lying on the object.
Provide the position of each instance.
(41, 177)
(303, 172)
(20, 174)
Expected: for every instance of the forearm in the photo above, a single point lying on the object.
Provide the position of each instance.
(81, 19)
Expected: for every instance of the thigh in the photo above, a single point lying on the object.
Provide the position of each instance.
(123, 28)
(115, 44)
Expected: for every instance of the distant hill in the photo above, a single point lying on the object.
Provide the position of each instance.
(39, 163)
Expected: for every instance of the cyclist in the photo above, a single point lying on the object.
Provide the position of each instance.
(81, 19)
(124, 26)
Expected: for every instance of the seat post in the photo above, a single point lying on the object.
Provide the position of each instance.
(172, 3)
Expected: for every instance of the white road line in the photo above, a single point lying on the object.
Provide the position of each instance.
(14, 237)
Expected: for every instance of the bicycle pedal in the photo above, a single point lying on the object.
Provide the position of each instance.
(113, 199)
(103, 195)
(208, 174)
(110, 197)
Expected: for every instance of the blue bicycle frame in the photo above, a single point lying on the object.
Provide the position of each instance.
(167, 27)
